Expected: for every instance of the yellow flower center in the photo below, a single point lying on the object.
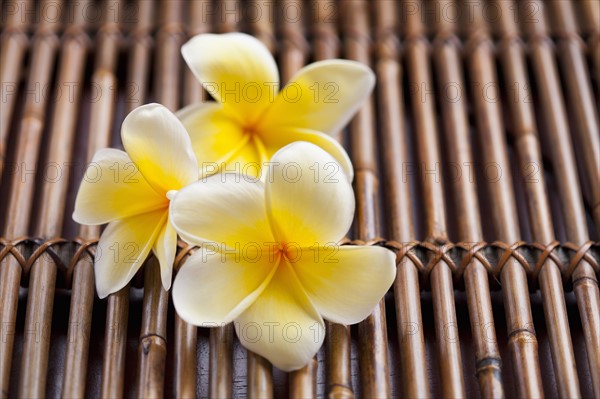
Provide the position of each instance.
(250, 131)
(287, 252)
(252, 135)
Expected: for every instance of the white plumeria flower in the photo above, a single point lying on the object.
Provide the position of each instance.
(130, 191)
(269, 260)
(251, 119)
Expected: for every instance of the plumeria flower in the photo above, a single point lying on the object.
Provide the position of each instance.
(130, 191)
(251, 119)
(269, 259)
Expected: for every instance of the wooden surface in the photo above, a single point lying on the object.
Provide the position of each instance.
(477, 160)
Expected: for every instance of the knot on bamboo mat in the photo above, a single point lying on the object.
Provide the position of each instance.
(532, 257)
(61, 253)
(66, 255)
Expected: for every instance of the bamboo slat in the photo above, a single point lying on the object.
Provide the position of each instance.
(521, 332)
(14, 45)
(398, 200)
(458, 148)
(482, 131)
(551, 99)
(44, 44)
(83, 288)
(524, 131)
(581, 103)
(423, 108)
(40, 299)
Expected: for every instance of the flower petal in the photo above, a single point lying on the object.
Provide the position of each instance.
(227, 209)
(215, 136)
(164, 249)
(309, 198)
(322, 96)
(212, 288)
(112, 188)
(345, 283)
(236, 69)
(282, 325)
(122, 249)
(160, 146)
(284, 136)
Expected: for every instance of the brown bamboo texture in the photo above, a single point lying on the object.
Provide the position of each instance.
(540, 132)
(524, 130)
(459, 149)
(426, 132)
(521, 332)
(398, 200)
(562, 155)
(581, 103)
(34, 361)
(14, 45)
(43, 47)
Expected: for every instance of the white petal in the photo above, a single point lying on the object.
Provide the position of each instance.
(212, 288)
(122, 249)
(236, 69)
(282, 325)
(309, 198)
(165, 249)
(160, 146)
(281, 137)
(112, 188)
(226, 209)
(345, 283)
(322, 96)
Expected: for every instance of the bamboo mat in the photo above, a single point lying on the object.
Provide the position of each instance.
(477, 161)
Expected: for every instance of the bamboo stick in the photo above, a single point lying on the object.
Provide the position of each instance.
(117, 312)
(591, 15)
(261, 26)
(581, 103)
(22, 186)
(448, 68)
(40, 298)
(229, 15)
(524, 130)
(115, 342)
(446, 327)
(326, 45)
(198, 23)
(152, 349)
(260, 378)
(373, 345)
(83, 289)
(490, 129)
(394, 155)
(585, 282)
(14, 45)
